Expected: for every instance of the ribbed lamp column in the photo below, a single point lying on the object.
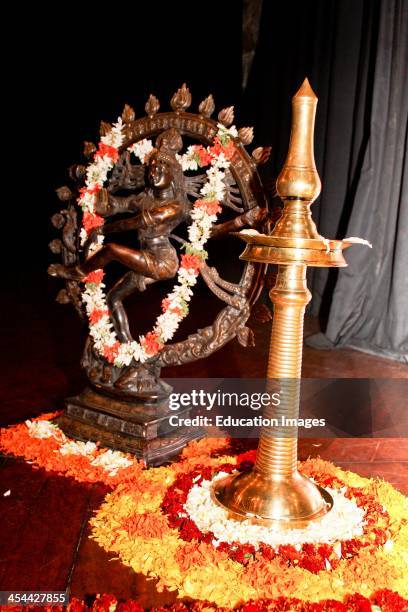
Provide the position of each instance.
(278, 455)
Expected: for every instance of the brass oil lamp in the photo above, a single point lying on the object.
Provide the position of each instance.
(274, 492)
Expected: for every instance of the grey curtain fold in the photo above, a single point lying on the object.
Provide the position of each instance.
(369, 308)
(356, 56)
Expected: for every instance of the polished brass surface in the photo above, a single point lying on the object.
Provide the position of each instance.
(320, 244)
(251, 496)
(299, 177)
(274, 491)
(311, 257)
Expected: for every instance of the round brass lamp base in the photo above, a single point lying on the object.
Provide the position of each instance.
(291, 501)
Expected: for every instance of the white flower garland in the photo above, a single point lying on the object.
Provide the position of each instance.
(44, 429)
(344, 521)
(111, 461)
(204, 215)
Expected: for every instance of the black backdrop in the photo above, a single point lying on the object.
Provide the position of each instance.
(72, 67)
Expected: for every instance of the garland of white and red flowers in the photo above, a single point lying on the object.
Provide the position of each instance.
(204, 215)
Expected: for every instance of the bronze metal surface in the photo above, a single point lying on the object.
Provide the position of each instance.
(274, 491)
(154, 200)
(157, 197)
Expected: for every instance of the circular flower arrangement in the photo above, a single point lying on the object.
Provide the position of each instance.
(204, 214)
(152, 526)
(159, 522)
(319, 546)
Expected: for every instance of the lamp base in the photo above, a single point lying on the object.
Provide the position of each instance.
(292, 501)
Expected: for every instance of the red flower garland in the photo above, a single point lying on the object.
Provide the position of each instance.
(94, 277)
(91, 221)
(151, 343)
(203, 155)
(111, 352)
(108, 151)
(387, 600)
(97, 314)
(212, 208)
(190, 261)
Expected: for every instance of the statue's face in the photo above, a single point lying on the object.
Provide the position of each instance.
(159, 173)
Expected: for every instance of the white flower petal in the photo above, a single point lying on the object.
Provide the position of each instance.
(112, 461)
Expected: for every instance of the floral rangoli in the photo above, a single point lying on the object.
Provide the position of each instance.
(162, 523)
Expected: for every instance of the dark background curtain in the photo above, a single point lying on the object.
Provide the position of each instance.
(73, 67)
(355, 55)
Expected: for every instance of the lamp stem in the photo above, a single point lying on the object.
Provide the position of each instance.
(277, 450)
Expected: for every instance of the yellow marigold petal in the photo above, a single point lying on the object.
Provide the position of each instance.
(200, 571)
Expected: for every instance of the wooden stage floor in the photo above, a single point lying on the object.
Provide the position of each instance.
(44, 542)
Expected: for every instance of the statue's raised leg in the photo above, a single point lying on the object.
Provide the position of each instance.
(131, 258)
(130, 282)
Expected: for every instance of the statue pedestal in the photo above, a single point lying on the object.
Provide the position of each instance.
(136, 427)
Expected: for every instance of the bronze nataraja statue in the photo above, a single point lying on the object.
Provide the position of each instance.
(160, 200)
